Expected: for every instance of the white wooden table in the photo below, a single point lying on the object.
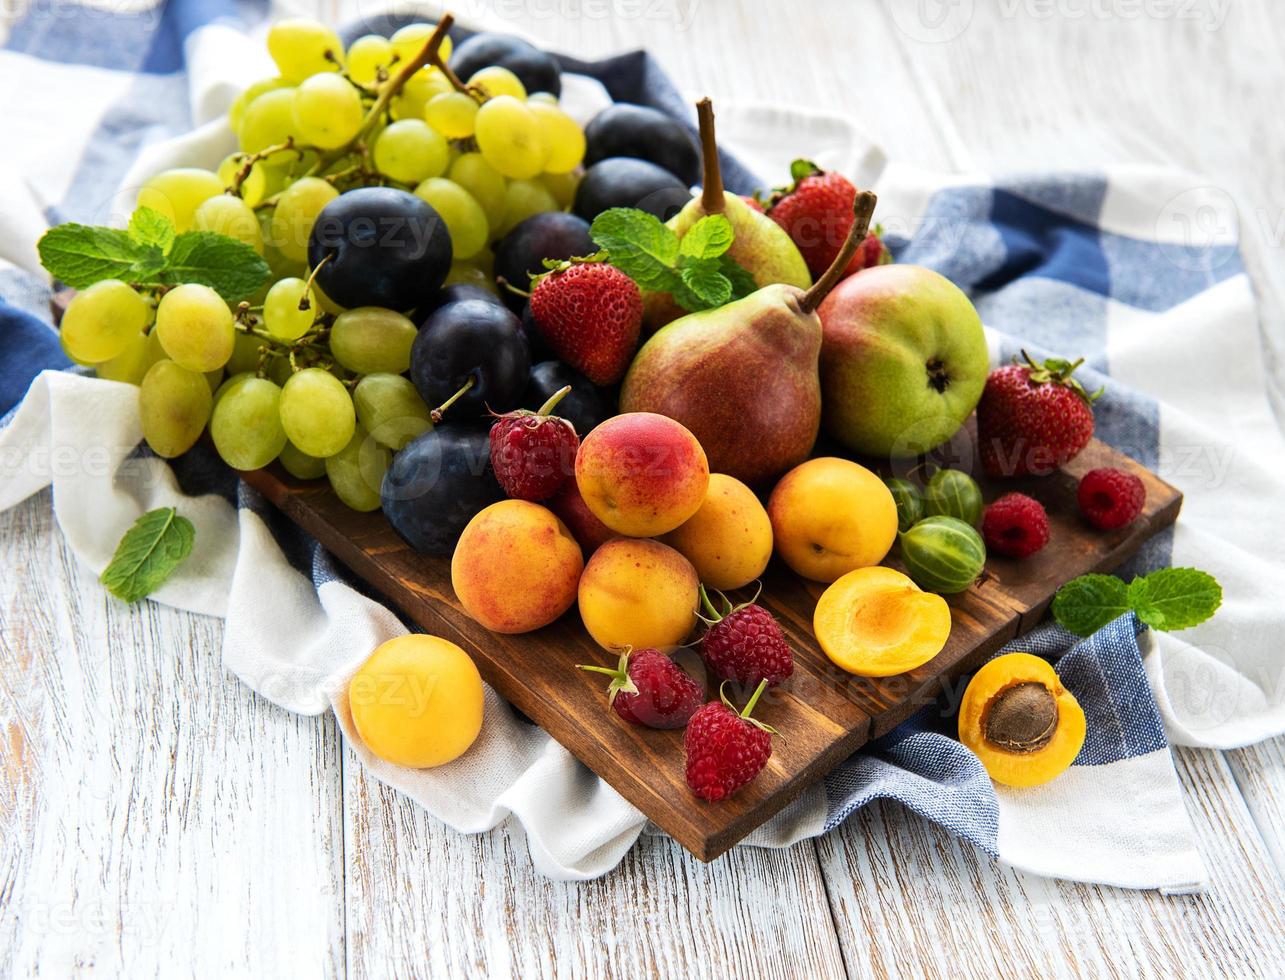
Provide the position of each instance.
(156, 818)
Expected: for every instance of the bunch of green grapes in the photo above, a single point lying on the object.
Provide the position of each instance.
(287, 375)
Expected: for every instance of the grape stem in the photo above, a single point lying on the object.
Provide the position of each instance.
(247, 164)
(438, 62)
(386, 93)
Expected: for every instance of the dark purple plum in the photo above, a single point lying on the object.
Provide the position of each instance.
(471, 340)
(521, 253)
(584, 406)
(626, 130)
(537, 69)
(623, 182)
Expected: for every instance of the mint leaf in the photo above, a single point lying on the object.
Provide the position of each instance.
(1085, 604)
(148, 554)
(148, 226)
(742, 282)
(1175, 598)
(706, 283)
(638, 245)
(81, 255)
(231, 268)
(707, 239)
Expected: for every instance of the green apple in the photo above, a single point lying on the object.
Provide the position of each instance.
(903, 360)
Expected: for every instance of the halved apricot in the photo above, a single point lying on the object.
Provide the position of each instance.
(1020, 721)
(876, 622)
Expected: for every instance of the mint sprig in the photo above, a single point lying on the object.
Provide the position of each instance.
(151, 253)
(695, 269)
(148, 554)
(1167, 599)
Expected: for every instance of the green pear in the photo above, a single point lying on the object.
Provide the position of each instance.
(743, 377)
(903, 362)
(759, 244)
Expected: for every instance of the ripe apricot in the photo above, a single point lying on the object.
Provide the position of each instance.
(516, 567)
(729, 540)
(1020, 721)
(830, 516)
(876, 622)
(417, 701)
(638, 593)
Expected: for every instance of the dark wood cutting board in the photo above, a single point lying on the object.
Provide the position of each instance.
(823, 713)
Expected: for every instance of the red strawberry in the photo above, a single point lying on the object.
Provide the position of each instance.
(725, 749)
(533, 453)
(648, 688)
(1015, 525)
(745, 644)
(1110, 498)
(590, 314)
(1033, 418)
(816, 212)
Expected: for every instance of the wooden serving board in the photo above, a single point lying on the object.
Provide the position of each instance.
(822, 713)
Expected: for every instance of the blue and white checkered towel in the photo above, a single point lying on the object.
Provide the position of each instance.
(1103, 265)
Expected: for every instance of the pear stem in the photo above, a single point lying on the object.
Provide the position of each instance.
(863, 208)
(712, 200)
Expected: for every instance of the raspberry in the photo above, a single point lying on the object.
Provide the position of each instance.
(648, 688)
(533, 453)
(725, 750)
(1111, 498)
(1015, 525)
(745, 644)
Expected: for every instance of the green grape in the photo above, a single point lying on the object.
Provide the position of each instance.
(390, 409)
(470, 274)
(464, 217)
(173, 407)
(236, 112)
(452, 114)
(408, 41)
(178, 193)
(410, 151)
(562, 135)
(281, 309)
(258, 183)
(302, 48)
(101, 321)
(548, 98)
(417, 92)
(195, 327)
(562, 187)
(522, 199)
(317, 412)
(228, 215)
(357, 471)
(130, 364)
(484, 182)
(495, 80)
(267, 121)
(245, 353)
(510, 137)
(229, 382)
(295, 214)
(246, 423)
(327, 111)
(371, 338)
(366, 56)
(298, 463)
(278, 369)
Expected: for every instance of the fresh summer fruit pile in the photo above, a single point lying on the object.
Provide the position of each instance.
(539, 353)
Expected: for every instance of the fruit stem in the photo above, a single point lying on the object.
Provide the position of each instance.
(552, 403)
(709, 606)
(713, 200)
(304, 304)
(758, 692)
(438, 62)
(863, 208)
(437, 413)
(609, 671)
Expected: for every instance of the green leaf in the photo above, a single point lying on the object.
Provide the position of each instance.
(704, 280)
(742, 282)
(81, 255)
(708, 238)
(1085, 604)
(231, 268)
(1175, 598)
(148, 226)
(148, 554)
(638, 245)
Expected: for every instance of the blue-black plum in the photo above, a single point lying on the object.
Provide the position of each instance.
(476, 340)
(623, 182)
(537, 69)
(454, 293)
(521, 253)
(437, 483)
(584, 406)
(381, 247)
(626, 130)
